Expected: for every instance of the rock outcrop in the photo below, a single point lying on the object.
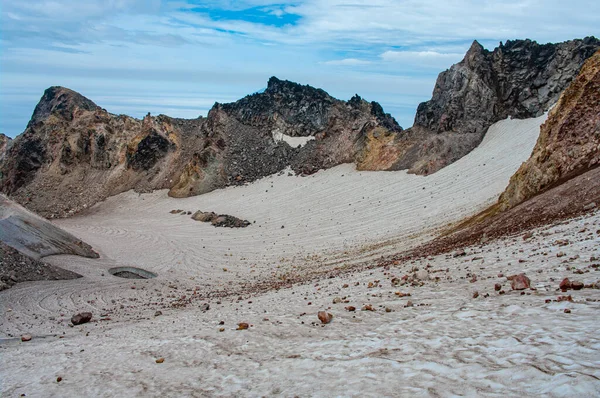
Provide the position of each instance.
(519, 79)
(569, 141)
(74, 153)
(35, 236)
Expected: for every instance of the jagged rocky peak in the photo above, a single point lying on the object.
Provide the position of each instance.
(299, 110)
(519, 78)
(61, 101)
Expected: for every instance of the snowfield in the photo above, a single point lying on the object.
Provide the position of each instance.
(439, 341)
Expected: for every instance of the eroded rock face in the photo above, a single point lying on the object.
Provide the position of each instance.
(74, 153)
(569, 141)
(519, 79)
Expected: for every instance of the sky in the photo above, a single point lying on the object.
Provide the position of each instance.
(179, 57)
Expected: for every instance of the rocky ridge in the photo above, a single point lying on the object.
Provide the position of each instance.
(519, 79)
(74, 153)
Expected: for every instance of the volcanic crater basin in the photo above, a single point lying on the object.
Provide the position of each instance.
(445, 343)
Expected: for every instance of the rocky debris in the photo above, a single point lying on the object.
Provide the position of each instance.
(569, 141)
(158, 313)
(475, 295)
(160, 360)
(324, 317)
(567, 311)
(350, 308)
(81, 318)
(16, 267)
(243, 326)
(519, 282)
(224, 220)
(220, 220)
(26, 337)
(204, 216)
(368, 307)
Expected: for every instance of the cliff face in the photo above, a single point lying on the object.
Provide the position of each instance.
(520, 79)
(74, 153)
(569, 142)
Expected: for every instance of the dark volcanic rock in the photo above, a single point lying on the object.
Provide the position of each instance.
(81, 318)
(520, 78)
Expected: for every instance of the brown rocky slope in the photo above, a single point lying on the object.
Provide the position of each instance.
(569, 142)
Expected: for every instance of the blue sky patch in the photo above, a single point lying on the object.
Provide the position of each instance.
(269, 16)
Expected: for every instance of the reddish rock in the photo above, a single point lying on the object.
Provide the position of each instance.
(351, 308)
(577, 285)
(565, 284)
(567, 311)
(368, 307)
(243, 326)
(26, 337)
(324, 317)
(81, 318)
(497, 287)
(476, 294)
(519, 282)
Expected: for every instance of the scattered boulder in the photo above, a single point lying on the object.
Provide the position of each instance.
(81, 318)
(203, 216)
(519, 282)
(565, 284)
(160, 360)
(497, 287)
(26, 337)
(577, 285)
(324, 317)
(422, 275)
(225, 220)
(351, 308)
(220, 220)
(243, 326)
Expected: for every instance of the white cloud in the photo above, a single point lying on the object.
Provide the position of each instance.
(422, 58)
(348, 62)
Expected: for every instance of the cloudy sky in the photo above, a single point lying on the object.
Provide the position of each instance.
(179, 57)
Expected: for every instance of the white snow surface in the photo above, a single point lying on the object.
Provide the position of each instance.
(447, 344)
(294, 142)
